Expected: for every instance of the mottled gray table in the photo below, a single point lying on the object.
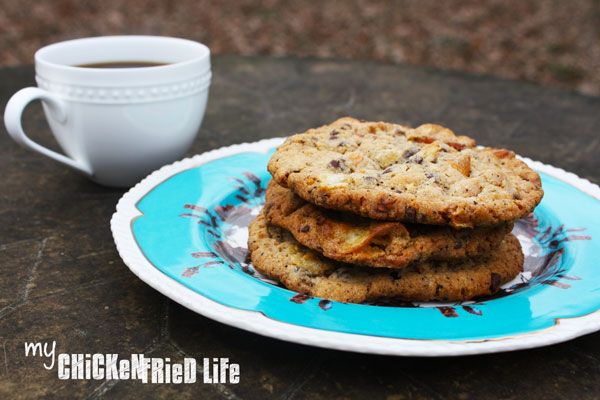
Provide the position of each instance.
(62, 280)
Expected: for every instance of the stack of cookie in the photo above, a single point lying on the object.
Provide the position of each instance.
(357, 211)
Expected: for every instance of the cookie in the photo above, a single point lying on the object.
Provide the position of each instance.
(357, 240)
(425, 175)
(276, 253)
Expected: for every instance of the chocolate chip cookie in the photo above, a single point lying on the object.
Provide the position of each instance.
(426, 175)
(277, 254)
(357, 240)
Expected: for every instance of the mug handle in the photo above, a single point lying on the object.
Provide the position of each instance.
(12, 119)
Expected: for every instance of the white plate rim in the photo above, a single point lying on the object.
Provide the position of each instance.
(256, 322)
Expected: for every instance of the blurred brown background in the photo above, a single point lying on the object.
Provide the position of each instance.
(551, 42)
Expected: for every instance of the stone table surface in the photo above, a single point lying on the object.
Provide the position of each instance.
(62, 280)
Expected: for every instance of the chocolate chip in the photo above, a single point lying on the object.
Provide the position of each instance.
(495, 280)
(410, 214)
(387, 170)
(400, 132)
(411, 152)
(346, 126)
(335, 164)
(383, 205)
(370, 178)
(446, 217)
(415, 160)
(305, 229)
(334, 132)
(320, 220)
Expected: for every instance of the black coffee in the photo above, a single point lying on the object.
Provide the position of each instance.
(122, 64)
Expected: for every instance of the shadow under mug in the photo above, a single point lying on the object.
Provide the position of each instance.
(116, 125)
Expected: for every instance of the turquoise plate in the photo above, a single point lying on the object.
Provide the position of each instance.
(184, 231)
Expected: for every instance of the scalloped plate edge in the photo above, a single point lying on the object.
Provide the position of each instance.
(256, 322)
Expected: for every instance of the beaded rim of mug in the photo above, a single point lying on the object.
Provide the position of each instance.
(126, 94)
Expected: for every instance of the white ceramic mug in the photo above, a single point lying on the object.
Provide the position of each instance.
(116, 125)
